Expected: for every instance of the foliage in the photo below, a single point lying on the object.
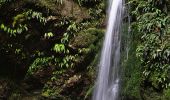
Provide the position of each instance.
(98, 12)
(59, 48)
(13, 32)
(130, 65)
(35, 39)
(38, 63)
(63, 60)
(48, 35)
(30, 14)
(152, 25)
(90, 90)
(4, 2)
(18, 25)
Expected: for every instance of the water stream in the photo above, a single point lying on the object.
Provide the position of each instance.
(108, 80)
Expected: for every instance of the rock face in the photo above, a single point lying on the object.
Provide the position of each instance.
(72, 9)
(73, 84)
(53, 81)
(66, 8)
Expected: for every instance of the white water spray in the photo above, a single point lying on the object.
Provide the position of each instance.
(107, 85)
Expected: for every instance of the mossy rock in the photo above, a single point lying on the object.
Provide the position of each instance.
(85, 38)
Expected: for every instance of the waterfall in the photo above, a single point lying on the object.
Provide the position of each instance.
(108, 80)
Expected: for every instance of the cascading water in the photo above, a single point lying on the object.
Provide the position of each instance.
(107, 85)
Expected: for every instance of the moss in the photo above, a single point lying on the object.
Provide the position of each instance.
(131, 68)
(131, 79)
(166, 95)
(84, 40)
(87, 37)
(151, 94)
